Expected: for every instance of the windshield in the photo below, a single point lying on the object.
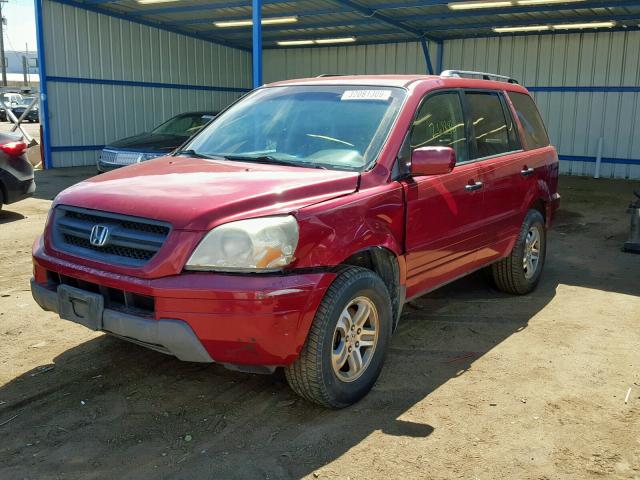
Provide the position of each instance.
(341, 127)
(184, 125)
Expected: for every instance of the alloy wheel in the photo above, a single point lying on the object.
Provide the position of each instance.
(531, 252)
(354, 339)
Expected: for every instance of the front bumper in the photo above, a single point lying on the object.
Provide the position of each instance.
(16, 186)
(169, 336)
(108, 166)
(236, 320)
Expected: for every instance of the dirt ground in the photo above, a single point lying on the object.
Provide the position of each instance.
(477, 385)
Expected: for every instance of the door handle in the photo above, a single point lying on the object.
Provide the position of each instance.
(525, 172)
(473, 186)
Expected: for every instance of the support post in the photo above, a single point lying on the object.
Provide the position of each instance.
(257, 42)
(427, 57)
(598, 158)
(45, 139)
(2, 57)
(440, 54)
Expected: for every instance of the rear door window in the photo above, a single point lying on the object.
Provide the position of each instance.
(535, 133)
(493, 129)
(440, 123)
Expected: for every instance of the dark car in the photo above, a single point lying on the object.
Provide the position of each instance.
(9, 100)
(158, 142)
(16, 172)
(34, 112)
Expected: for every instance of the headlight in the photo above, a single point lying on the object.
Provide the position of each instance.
(150, 156)
(254, 245)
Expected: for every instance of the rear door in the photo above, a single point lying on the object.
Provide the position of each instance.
(506, 172)
(540, 155)
(444, 212)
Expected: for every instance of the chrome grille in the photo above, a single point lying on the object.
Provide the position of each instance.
(126, 158)
(121, 158)
(131, 241)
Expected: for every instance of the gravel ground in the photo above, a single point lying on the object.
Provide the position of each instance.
(477, 384)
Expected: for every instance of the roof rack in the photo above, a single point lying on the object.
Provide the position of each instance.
(484, 75)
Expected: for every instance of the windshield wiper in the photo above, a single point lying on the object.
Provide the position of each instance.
(192, 153)
(272, 160)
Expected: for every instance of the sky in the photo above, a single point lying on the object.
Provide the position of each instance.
(21, 25)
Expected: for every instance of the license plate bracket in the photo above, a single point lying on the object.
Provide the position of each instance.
(80, 306)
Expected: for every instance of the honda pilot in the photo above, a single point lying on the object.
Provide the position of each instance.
(290, 232)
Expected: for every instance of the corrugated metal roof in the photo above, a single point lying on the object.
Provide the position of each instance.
(370, 21)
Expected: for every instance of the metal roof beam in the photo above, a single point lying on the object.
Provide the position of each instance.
(366, 21)
(384, 19)
(484, 12)
(368, 42)
(346, 6)
(539, 21)
(630, 28)
(310, 35)
(273, 34)
(299, 13)
(200, 7)
(378, 7)
(149, 23)
(291, 27)
(247, 3)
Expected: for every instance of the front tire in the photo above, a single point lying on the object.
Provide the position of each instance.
(520, 272)
(346, 345)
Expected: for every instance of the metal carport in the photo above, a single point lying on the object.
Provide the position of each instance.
(113, 68)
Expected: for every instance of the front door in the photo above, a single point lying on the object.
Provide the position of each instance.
(444, 212)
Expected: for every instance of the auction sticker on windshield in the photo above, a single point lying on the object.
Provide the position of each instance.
(382, 95)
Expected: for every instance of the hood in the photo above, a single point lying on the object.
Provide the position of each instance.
(198, 194)
(149, 142)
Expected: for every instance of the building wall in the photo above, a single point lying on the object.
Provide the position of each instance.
(14, 61)
(109, 78)
(405, 57)
(587, 87)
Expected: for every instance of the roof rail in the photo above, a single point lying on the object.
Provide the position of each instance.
(484, 75)
(331, 75)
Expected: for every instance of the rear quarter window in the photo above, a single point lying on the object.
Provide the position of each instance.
(534, 131)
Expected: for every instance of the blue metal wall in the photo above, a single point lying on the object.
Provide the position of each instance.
(403, 57)
(108, 78)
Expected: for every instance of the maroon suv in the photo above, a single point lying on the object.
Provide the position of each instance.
(293, 228)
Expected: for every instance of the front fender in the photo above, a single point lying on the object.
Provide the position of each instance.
(332, 231)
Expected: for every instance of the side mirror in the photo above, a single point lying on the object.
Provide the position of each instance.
(432, 160)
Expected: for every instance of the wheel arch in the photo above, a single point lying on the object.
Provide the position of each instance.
(3, 193)
(389, 267)
(541, 206)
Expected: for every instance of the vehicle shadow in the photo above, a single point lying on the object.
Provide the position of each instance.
(7, 216)
(108, 409)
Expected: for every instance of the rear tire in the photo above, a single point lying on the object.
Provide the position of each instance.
(346, 345)
(520, 272)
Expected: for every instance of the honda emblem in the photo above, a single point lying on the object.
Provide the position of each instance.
(99, 235)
